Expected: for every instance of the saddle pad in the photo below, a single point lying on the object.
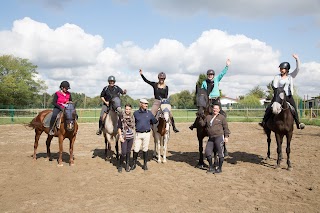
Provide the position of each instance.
(46, 120)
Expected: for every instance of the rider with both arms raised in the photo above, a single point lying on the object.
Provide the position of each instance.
(110, 93)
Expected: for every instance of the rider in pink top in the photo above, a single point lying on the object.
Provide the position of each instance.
(60, 98)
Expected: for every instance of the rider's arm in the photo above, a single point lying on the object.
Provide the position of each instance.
(147, 81)
(222, 73)
(104, 101)
(54, 101)
(295, 72)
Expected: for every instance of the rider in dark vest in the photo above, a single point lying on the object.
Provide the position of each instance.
(211, 84)
(285, 79)
(108, 93)
(60, 98)
(160, 91)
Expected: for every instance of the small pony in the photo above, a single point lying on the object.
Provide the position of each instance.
(161, 131)
(66, 127)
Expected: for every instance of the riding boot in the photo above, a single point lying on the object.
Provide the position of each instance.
(210, 169)
(266, 116)
(135, 156)
(51, 129)
(145, 159)
(128, 162)
(100, 128)
(174, 126)
(219, 170)
(296, 119)
(120, 163)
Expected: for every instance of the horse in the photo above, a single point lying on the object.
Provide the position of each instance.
(66, 127)
(161, 131)
(281, 123)
(110, 131)
(203, 109)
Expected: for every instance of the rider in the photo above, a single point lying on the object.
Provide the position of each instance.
(108, 93)
(211, 84)
(60, 98)
(160, 91)
(285, 79)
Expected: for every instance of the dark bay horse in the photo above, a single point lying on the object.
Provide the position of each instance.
(66, 127)
(203, 109)
(281, 123)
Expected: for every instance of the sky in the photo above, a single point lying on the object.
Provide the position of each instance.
(86, 41)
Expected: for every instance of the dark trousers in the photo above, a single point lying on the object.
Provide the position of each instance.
(55, 113)
(215, 143)
(126, 146)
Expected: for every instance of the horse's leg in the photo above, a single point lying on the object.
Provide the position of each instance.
(48, 144)
(60, 150)
(154, 154)
(165, 145)
(117, 148)
(289, 137)
(200, 164)
(279, 139)
(106, 147)
(268, 132)
(159, 147)
(36, 143)
(71, 159)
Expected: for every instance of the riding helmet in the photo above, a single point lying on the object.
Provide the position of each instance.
(111, 78)
(65, 84)
(210, 72)
(284, 65)
(162, 75)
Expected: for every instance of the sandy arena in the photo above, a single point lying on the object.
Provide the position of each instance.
(248, 182)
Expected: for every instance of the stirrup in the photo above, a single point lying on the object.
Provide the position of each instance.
(51, 132)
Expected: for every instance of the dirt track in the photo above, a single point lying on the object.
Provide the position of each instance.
(248, 183)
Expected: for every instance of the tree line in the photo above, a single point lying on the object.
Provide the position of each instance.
(21, 88)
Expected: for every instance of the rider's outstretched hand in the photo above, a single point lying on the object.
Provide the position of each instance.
(228, 62)
(140, 71)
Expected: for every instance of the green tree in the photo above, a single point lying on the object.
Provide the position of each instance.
(257, 92)
(185, 100)
(18, 83)
(251, 101)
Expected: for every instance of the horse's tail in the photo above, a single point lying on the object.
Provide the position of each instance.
(34, 124)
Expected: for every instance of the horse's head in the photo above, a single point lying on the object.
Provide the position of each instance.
(279, 100)
(165, 109)
(202, 100)
(70, 116)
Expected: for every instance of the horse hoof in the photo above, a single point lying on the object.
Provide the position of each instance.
(164, 161)
(71, 164)
(60, 164)
(159, 161)
(290, 168)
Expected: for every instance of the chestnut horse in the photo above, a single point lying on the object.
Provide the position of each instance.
(68, 128)
(281, 123)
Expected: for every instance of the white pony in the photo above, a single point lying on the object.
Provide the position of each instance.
(110, 133)
(161, 131)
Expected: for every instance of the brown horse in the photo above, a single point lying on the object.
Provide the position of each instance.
(281, 123)
(68, 128)
(203, 109)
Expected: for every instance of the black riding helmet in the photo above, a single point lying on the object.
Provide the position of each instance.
(111, 78)
(65, 84)
(210, 72)
(284, 65)
(162, 75)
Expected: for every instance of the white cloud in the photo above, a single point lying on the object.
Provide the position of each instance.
(69, 53)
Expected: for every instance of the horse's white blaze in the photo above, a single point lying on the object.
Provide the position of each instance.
(276, 108)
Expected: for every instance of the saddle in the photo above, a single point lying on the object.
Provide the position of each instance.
(47, 118)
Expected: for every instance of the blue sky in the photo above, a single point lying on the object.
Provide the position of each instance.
(85, 41)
